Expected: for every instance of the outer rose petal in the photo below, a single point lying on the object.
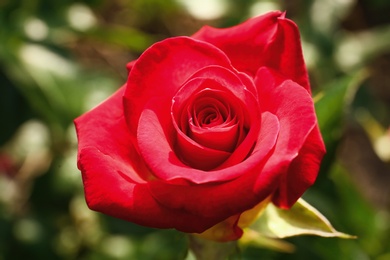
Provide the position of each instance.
(285, 53)
(303, 168)
(115, 177)
(299, 141)
(100, 124)
(293, 106)
(267, 40)
(130, 65)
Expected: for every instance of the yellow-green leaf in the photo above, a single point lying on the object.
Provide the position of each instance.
(301, 219)
(254, 238)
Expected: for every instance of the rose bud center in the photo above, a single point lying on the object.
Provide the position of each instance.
(210, 124)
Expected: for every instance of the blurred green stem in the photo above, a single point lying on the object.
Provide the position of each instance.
(202, 249)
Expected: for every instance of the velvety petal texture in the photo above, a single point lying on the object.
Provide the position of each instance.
(267, 40)
(114, 175)
(206, 128)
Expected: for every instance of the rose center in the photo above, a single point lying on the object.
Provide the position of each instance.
(210, 121)
(209, 112)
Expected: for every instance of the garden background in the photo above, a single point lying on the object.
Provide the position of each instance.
(60, 58)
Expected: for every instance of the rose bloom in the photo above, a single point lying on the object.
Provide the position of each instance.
(205, 128)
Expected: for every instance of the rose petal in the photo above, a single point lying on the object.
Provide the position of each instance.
(285, 54)
(267, 40)
(245, 44)
(222, 132)
(235, 84)
(303, 168)
(294, 107)
(115, 177)
(291, 103)
(99, 124)
(202, 158)
(156, 138)
(130, 65)
(217, 199)
(162, 69)
(221, 138)
(199, 149)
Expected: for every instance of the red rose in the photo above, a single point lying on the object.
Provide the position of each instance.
(205, 128)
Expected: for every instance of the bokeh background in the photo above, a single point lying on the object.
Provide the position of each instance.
(60, 58)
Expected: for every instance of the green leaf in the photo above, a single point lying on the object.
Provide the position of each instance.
(251, 237)
(301, 219)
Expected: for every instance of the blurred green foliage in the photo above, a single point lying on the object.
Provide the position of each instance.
(60, 58)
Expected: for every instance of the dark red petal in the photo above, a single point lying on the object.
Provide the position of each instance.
(212, 121)
(302, 172)
(115, 177)
(222, 200)
(95, 132)
(242, 88)
(221, 138)
(291, 103)
(162, 69)
(156, 135)
(236, 82)
(198, 156)
(267, 40)
(110, 190)
(245, 44)
(294, 107)
(168, 166)
(285, 53)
